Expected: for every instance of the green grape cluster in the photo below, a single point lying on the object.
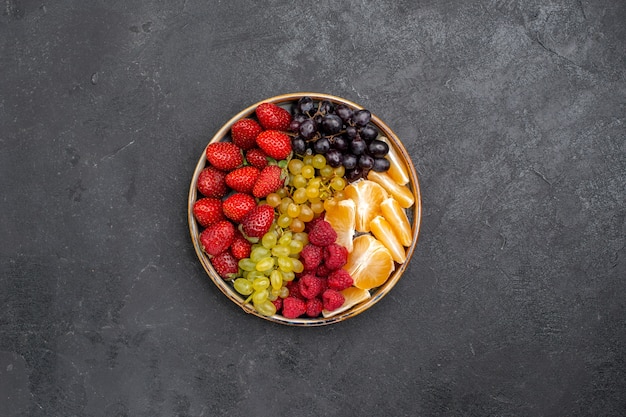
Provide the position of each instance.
(273, 262)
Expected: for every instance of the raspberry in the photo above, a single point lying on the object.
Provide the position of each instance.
(322, 271)
(335, 256)
(310, 225)
(332, 299)
(278, 303)
(311, 257)
(310, 286)
(322, 234)
(293, 307)
(294, 289)
(314, 307)
(339, 280)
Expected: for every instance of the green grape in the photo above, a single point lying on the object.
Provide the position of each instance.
(283, 220)
(307, 159)
(282, 192)
(284, 204)
(247, 264)
(243, 286)
(299, 181)
(288, 276)
(258, 253)
(301, 237)
(338, 183)
(299, 196)
(295, 166)
(261, 283)
(274, 293)
(295, 246)
(308, 171)
(285, 264)
(312, 191)
(260, 296)
(284, 292)
(327, 171)
(265, 308)
(293, 210)
(280, 250)
(252, 275)
(273, 199)
(285, 238)
(340, 171)
(265, 264)
(276, 279)
(306, 214)
(317, 206)
(297, 266)
(296, 225)
(319, 161)
(269, 239)
(315, 182)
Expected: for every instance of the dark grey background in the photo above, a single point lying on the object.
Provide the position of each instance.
(514, 113)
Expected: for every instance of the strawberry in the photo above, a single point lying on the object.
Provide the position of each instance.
(274, 143)
(212, 182)
(225, 265)
(207, 211)
(258, 221)
(240, 247)
(244, 132)
(224, 156)
(273, 117)
(243, 179)
(270, 179)
(257, 158)
(237, 205)
(216, 238)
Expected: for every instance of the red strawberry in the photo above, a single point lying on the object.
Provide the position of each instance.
(332, 299)
(244, 133)
(225, 265)
(257, 158)
(212, 183)
(322, 234)
(270, 179)
(240, 247)
(258, 221)
(273, 117)
(207, 211)
(274, 143)
(216, 238)
(293, 307)
(237, 205)
(224, 156)
(243, 179)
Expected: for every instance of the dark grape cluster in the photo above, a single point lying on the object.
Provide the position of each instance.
(343, 135)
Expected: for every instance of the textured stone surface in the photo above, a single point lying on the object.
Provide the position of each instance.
(514, 113)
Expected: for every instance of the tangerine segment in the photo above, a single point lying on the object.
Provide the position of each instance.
(397, 169)
(342, 217)
(398, 220)
(367, 195)
(370, 263)
(382, 230)
(402, 193)
(353, 296)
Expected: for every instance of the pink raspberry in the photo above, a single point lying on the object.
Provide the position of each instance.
(314, 307)
(332, 299)
(293, 307)
(311, 256)
(322, 271)
(294, 289)
(335, 256)
(310, 286)
(322, 234)
(278, 303)
(339, 280)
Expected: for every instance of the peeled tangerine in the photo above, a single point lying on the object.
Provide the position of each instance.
(397, 169)
(397, 218)
(342, 218)
(370, 263)
(402, 193)
(382, 230)
(367, 196)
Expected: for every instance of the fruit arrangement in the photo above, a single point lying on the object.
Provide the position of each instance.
(305, 207)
